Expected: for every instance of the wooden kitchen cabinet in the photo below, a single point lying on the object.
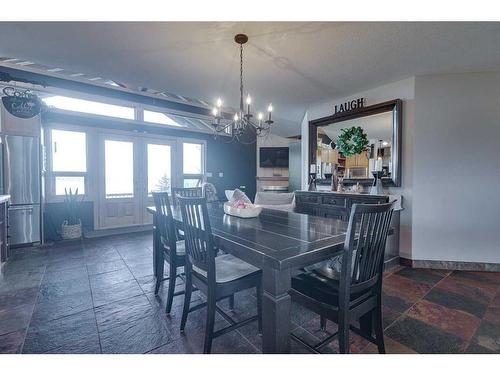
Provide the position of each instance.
(356, 161)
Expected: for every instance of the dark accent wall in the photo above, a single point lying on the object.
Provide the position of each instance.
(237, 161)
(54, 214)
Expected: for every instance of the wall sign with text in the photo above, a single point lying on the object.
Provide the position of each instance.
(22, 104)
(349, 106)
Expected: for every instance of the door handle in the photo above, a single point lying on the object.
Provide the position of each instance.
(29, 208)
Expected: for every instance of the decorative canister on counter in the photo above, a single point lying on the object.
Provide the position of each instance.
(376, 188)
(335, 179)
(340, 186)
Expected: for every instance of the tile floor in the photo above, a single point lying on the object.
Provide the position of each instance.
(98, 297)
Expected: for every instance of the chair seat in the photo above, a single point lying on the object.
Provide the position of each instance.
(321, 284)
(180, 247)
(229, 268)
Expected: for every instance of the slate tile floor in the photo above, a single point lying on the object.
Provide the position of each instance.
(98, 297)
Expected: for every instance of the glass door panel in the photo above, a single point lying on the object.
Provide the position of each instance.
(158, 171)
(159, 167)
(119, 202)
(119, 169)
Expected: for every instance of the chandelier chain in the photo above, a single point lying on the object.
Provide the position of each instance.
(241, 78)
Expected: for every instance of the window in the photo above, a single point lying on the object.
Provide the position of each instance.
(119, 169)
(69, 161)
(159, 118)
(67, 183)
(88, 106)
(193, 164)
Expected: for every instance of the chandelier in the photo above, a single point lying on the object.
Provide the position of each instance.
(242, 127)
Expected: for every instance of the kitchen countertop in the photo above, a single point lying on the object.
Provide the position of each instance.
(4, 198)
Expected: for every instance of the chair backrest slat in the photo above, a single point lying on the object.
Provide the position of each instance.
(363, 258)
(200, 247)
(194, 192)
(165, 221)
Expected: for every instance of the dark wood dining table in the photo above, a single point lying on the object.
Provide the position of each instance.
(279, 243)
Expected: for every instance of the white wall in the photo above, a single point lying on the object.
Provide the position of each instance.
(456, 186)
(451, 176)
(405, 90)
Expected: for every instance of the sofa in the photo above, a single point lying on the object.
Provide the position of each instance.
(276, 201)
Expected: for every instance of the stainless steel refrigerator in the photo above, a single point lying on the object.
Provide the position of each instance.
(21, 180)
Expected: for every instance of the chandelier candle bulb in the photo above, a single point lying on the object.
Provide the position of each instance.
(270, 110)
(249, 101)
(219, 102)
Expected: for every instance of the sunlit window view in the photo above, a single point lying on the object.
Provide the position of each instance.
(119, 169)
(69, 155)
(69, 151)
(66, 183)
(159, 168)
(192, 160)
(88, 106)
(192, 164)
(159, 118)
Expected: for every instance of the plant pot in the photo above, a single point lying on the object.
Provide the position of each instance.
(71, 232)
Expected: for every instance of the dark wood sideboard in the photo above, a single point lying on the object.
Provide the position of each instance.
(332, 204)
(338, 206)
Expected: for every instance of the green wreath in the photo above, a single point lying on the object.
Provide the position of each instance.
(352, 141)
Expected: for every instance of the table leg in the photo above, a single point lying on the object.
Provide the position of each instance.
(276, 304)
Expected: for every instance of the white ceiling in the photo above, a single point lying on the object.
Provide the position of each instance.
(294, 65)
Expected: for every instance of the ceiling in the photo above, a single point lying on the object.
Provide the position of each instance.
(376, 127)
(293, 65)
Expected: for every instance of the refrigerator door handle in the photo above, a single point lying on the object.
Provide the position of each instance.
(21, 208)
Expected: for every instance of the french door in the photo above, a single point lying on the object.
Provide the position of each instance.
(132, 167)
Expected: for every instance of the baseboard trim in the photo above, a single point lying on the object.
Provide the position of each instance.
(115, 231)
(391, 263)
(450, 265)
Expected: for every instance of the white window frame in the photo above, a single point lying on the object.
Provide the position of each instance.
(51, 174)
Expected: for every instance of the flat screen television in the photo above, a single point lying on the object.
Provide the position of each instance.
(273, 157)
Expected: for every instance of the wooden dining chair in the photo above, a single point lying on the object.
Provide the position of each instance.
(356, 292)
(193, 192)
(216, 276)
(174, 251)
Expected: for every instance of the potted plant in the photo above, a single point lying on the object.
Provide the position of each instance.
(71, 228)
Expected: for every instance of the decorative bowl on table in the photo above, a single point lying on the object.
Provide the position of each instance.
(242, 209)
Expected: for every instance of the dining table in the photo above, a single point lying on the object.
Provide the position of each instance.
(280, 243)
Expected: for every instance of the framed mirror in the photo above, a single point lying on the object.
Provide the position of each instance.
(382, 124)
